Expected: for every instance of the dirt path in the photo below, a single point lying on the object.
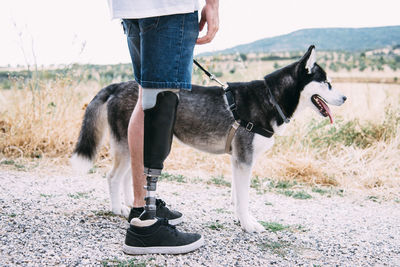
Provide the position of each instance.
(63, 219)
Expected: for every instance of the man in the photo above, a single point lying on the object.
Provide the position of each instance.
(161, 36)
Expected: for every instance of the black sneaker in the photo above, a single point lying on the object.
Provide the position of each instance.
(174, 217)
(160, 238)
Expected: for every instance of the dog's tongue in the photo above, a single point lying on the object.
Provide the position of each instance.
(327, 110)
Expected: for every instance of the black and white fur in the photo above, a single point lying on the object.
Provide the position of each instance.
(203, 121)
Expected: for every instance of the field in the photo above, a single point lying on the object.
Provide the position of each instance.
(41, 112)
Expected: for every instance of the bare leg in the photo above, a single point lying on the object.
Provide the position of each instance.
(135, 141)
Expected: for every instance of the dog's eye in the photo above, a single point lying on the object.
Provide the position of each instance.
(329, 85)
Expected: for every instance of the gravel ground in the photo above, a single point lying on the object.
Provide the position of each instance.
(62, 219)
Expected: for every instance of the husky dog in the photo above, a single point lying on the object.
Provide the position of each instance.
(203, 122)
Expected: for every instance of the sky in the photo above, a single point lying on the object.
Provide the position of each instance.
(46, 32)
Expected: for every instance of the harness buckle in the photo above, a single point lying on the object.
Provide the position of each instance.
(232, 107)
(249, 126)
(235, 125)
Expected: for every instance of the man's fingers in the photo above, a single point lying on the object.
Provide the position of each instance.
(212, 28)
(209, 16)
(202, 23)
(202, 40)
(207, 38)
(211, 32)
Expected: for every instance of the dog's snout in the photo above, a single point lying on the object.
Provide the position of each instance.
(344, 98)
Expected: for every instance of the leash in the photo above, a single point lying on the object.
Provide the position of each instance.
(249, 126)
(210, 75)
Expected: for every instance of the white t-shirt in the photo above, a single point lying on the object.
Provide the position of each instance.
(136, 9)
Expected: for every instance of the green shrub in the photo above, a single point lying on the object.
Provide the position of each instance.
(353, 132)
(334, 67)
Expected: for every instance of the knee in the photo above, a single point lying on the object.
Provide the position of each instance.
(153, 97)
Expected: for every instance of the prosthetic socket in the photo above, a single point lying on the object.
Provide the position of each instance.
(159, 122)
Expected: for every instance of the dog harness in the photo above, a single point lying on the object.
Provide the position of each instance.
(249, 126)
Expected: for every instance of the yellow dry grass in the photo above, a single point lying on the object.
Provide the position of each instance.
(44, 123)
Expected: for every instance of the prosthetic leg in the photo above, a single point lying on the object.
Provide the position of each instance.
(149, 234)
(159, 120)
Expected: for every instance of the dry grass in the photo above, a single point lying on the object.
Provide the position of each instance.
(41, 122)
(44, 123)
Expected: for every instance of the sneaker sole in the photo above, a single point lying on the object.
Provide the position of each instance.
(163, 250)
(173, 221)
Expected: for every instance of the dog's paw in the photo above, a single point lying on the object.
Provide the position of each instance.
(249, 224)
(123, 210)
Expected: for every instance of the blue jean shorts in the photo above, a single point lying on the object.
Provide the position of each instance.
(161, 49)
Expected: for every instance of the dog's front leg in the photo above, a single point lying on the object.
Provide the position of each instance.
(241, 182)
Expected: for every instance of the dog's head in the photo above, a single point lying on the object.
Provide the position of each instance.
(317, 92)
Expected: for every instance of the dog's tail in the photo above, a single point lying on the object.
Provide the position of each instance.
(93, 128)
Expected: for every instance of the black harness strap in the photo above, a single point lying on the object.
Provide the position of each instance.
(275, 104)
(249, 126)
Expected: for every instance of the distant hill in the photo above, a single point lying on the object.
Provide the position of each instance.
(328, 39)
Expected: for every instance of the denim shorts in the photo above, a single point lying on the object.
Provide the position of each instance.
(161, 49)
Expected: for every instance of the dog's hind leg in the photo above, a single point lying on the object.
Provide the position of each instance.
(241, 177)
(127, 187)
(116, 175)
(233, 193)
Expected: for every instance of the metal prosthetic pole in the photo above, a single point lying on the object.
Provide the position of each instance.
(159, 122)
(150, 207)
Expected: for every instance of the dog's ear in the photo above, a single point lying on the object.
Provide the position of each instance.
(309, 59)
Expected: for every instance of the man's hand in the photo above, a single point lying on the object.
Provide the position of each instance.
(209, 15)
